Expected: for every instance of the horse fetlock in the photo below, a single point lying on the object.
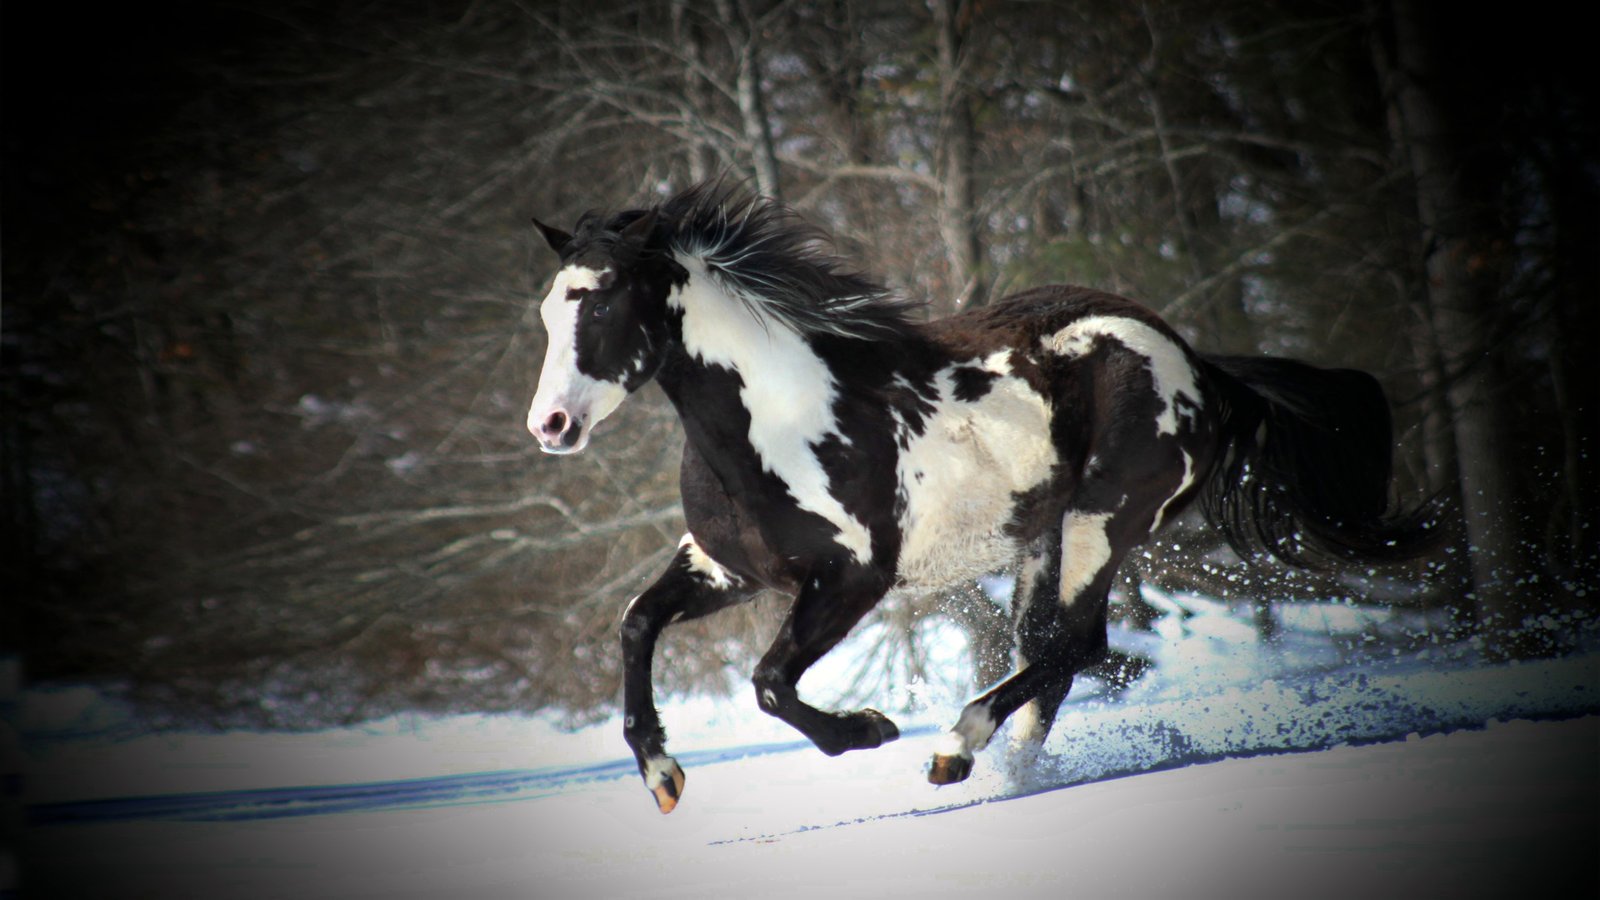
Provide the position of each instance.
(878, 729)
(665, 778)
(863, 730)
(971, 732)
(952, 758)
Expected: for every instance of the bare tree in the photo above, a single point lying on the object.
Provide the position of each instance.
(746, 34)
(957, 157)
(1462, 266)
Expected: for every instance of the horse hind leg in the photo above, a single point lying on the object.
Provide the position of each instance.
(1060, 630)
(1036, 614)
(1038, 638)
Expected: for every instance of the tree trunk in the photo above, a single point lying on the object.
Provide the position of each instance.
(752, 102)
(1573, 529)
(702, 157)
(1462, 286)
(958, 216)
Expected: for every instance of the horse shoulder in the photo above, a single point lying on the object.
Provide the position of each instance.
(724, 529)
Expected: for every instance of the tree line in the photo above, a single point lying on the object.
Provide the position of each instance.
(268, 338)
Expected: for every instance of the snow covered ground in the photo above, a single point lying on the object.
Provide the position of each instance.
(1321, 764)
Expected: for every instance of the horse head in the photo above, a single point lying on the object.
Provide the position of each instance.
(606, 323)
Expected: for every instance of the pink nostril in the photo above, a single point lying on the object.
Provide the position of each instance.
(556, 424)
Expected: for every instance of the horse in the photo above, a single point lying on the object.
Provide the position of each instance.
(839, 445)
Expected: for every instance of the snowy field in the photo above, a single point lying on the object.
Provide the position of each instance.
(1322, 764)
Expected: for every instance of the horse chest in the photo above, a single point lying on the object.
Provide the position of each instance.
(959, 476)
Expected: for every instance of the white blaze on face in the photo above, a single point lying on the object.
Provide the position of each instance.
(583, 400)
(788, 392)
(1170, 372)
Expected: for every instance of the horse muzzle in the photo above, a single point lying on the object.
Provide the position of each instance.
(559, 432)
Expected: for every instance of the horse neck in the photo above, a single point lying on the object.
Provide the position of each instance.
(782, 382)
(756, 399)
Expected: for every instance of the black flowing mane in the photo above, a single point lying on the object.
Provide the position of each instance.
(779, 265)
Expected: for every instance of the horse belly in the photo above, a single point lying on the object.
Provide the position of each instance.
(959, 479)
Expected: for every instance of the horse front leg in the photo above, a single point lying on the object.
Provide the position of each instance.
(823, 613)
(692, 586)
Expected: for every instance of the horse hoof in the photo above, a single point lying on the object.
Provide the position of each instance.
(885, 729)
(949, 769)
(665, 781)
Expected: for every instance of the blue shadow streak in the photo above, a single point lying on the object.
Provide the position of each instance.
(447, 790)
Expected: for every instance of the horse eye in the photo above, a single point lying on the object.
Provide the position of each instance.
(600, 309)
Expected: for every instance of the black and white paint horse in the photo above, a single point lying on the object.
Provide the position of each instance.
(838, 447)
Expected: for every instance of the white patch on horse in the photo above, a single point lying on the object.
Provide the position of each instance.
(960, 474)
(1027, 724)
(1170, 372)
(998, 362)
(1188, 479)
(970, 734)
(1085, 549)
(1028, 579)
(788, 392)
(658, 771)
(702, 564)
(561, 385)
(577, 278)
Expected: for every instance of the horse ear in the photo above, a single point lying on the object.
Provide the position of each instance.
(639, 231)
(555, 237)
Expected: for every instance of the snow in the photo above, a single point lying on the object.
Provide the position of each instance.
(1318, 764)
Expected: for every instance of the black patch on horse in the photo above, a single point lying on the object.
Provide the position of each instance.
(972, 383)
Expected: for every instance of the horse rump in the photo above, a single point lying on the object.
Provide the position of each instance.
(1304, 470)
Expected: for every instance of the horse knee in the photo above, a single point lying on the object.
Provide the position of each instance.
(636, 630)
(771, 689)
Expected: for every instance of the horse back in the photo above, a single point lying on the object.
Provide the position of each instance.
(1023, 319)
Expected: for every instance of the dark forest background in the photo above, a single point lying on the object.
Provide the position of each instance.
(268, 275)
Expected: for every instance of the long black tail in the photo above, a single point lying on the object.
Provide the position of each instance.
(1305, 468)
